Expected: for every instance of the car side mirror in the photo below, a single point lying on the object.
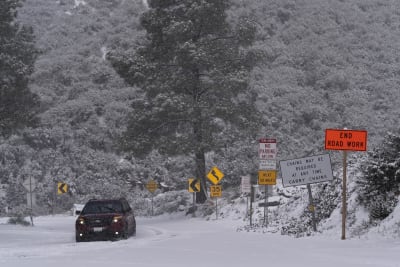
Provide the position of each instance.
(77, 212)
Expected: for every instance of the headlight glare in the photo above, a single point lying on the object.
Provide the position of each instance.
(117, 219)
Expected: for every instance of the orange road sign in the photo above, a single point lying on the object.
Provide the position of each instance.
(336, 139)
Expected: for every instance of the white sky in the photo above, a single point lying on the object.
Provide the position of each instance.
(181, 241)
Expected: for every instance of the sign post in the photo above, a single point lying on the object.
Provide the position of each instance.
(311, 207)
(216, 192)
(30, 185)
(215, 176)
(267, 169)
(345, 140)
(305, 171)
(152, 186)
(194, 186)
(245, 188)
(344, 195)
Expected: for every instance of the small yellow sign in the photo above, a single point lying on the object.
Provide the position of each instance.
(267, 177)
(215, 175)
(152, 186)
(216, 191)
(62, 188)
(194, 185)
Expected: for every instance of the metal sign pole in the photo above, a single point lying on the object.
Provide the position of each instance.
(265, 206)
(216, 208)
(344, 195)
(152, 205)
(30, 195)
(53, 208)
(247, 206)
(311, 207)
(251, 205)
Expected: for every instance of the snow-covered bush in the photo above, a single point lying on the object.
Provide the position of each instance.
(171, 202)
(18, 220)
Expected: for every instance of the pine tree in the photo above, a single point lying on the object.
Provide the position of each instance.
(380, 186)
(17, 57)
(193, 71)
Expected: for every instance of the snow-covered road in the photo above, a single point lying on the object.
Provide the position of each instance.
(163, 241)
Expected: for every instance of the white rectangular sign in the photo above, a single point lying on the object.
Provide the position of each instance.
(308, 170)
(267, 149)
(29, 184)
(267, 164)
(245, 186)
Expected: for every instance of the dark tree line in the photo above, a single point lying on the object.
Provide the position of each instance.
(18, 105)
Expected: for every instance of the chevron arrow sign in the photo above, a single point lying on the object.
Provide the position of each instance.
(62, 188)
(194, 185)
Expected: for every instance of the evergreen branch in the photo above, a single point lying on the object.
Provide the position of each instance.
(166, 123)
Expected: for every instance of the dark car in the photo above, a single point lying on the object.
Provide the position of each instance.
(105, 219)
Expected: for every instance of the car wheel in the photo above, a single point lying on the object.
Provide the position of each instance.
(125, 233)
(78, 238)
(134, 231)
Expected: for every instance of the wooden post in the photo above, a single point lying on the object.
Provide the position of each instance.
(344, 195)
(251, 205)
(266, 205)
(311, 207)
(216, 208)
(31, 199)
(152, 205)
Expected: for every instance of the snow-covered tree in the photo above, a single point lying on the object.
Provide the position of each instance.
(380, 185)
(194, 75)
(18, 105)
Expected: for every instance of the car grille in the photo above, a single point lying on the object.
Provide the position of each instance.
(93, 222)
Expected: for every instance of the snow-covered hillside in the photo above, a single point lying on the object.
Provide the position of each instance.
(335, 68)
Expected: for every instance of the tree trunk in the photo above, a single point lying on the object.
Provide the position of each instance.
(201, 196)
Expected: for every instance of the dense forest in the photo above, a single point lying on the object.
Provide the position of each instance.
(313, 65)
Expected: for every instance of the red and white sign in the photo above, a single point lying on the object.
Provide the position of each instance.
(267, 149)
(245, 186)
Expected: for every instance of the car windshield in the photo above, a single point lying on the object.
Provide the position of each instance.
(102, 207)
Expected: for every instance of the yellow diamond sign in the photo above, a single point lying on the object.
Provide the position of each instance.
(215, 175)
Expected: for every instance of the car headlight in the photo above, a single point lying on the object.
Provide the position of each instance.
(81, 221)
(116, 219)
